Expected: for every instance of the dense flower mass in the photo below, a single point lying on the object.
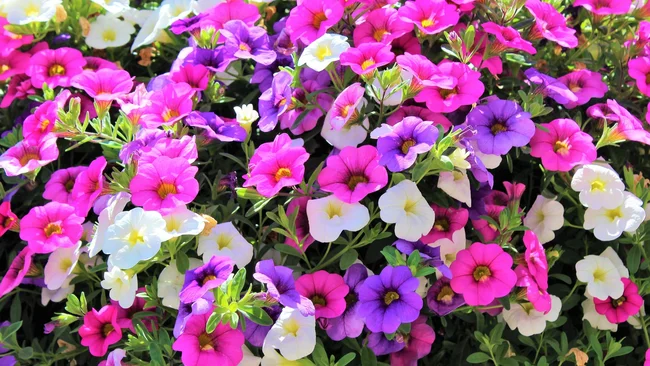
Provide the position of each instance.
(324, 182)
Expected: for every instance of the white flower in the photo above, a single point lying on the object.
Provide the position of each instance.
(545, 216)
(113, 6)
(449, 248)
(114, 206)
(60, 266)
(30, 11)
(122, 286)
(634, 319)
(136, 235)
(611, 254)
(348, 135)
(596, 320)
(598, 186)
(423, 286)
(380, 131)
(392, 96)
(601, 276)
(170, 283)
(152, 27)
(57, 295)
(456, 185)
(178, 9)
(225, 240)
(404, 206)
(273, 358)
(200, 6)
(490, 161)
(293, 334)
(609, 223)
(109, 31)
(249, 358)
(181, 221)
(458, 158)
(135, 16)
(246, 115)
(323, 51)
(530, 321)
(329, 216)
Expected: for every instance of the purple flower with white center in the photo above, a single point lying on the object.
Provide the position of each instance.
(186, 310)
(500, 125)
(202, 279)
(410, 137)
(263, 74)
(215, 128)
(389, 299)
(246, 42)
(551, 87)
(255, 333)
(380, 345)
(275, 101)
(441, 299)
(430, 255)
(281, 286)
(349, 324)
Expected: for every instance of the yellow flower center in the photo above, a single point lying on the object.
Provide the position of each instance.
(618, 302)
(409, 206)
(208, 278)
(32, 10)
(441, 224)
(135, 237)
(52, 228)
(318, 19)
(379, 34)
(367, 64)
(109, 35)
(223, 241)
(65, 264)
(614, 214)
(597, 185)
(169, 114)
(323, 51)
(165, 189)
(356, 179)
(282, 173)
(27, 158)
(427, 23)
(56, 69)
(446, 93)
(4, 68)
(333, 210)
(107, 329)
(482, 273)
(291, 326)
(561, 147)
(43, 125)
(445, 295)
(599, 275)
(244, 47)
(205, 342)
(497, 128)
(390, 297)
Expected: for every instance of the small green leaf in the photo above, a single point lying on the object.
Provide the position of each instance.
(346, 359)
(182, 262)
(478, 357)
(368, 357)
(348, 259)
(257, 315)
(26, 353)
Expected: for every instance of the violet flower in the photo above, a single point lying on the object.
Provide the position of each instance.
(281, 286)
(246, 42)
(349, 324)
(200, 280)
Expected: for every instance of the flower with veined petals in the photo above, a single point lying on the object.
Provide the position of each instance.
(122, 286)
(104, 85)
(404, 206)
(202, 279)
(60, 265)
(585, 84)
(100, 330)
(501, 125)
(431, 17)
(55, 67)
(170, 283)
(88, 186)
(245, 42)
(164, 184)
(508, 37)
(329, 216)
(599, 187)
(448, 221)
(610, 223)
(602, 278)
(456, 184)
(605, 7)
(114, 206)
(326, 291)
(52, 226)
(109, 31)
(381, 25)
(17, 270)
(281, 286)
(441, 299)
(311, 19)
(345, 105)
(618, 310)
(349, 324)
(418, 343)
(293, 334)
(168, 105)
(550, 24)
(530, 321)
(407, 139)
(8, 219)
(562, 145)
(596, 320)
(323, 51)
(30, 11)
(226, 241)
(467, 90)
(25, 157)
(544, 217)
(367, 57)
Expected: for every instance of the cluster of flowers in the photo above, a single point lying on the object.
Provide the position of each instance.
(317, 182)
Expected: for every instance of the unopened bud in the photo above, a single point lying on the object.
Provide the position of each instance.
(60, 15)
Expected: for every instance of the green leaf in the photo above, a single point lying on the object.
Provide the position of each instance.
(26, 353)
(634, 258)
(257, 315)
(213, 321)
(11, 329)
(478, 357)
(413, 259)
(348, 259)
(16, 309)
(320, 356)
(156, 354)
(346, 359)
(237, 284)
(368, 357)
(283, 248)
(182, 262)
(595, 344)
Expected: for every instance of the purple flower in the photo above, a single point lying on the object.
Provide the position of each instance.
(551, 87)
(500, 125)
(263, 74)
(255, 333)
(349, 324)
(408, 138)
(216, 128)
(441, 299)
(479, 195)
(281, 286)
(216, 60)
(189, 309)
(380, 345)
(389, 299)
(275, 101)
(283, 44)
(144, 137)
(246, 42)
(478, 169)
(200, 280)
(430, 255)
(191, 25)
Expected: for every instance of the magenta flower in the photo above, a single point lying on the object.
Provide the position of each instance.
(271, 172)
(311, 19)
(619, 310)
(47, 228)
(628, 127)
(538, 297)
(500, 125)
(585, 85)
(281, 286)
(42, 121)
(59, 187)
(25, 157)
(302, 223)
(605, 7)
(535, 258)
(12, 62)
(381, 25)
(55, 67)
(563, 147)
(164, 184)
(229, 10)
(20, 87)
(168, 105)
(507, 38)
(88, 186)
(326, 291)
(98, 63)
(196, 76)
(431, 17)
(100, 330)
(409, 138)
(185, 148)
(353, 174)
(367, 57)
(424, 73)
(448, 221)
(441, 299)
(550, 24)
(550, 87)
(12, 40)
(199, 348)
(467, 90)
(215, 128)
(345, 105)
(104, 85)
(639, 69)
(482, 273)
(425, 114)
(8, 219)
(407, 43)
(17, 271)
(417, 343)
(309, 120)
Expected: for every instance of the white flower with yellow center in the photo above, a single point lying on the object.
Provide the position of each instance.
(528, 320)
(611, 254)
(458, 158)
(246, 115)
(107, 217)
(596, 320)
(178, 9)
(224, 240)
(545, 216)
(449, 248)
(122, 286)
(170, 283)
(181, 221)
(329, 216)
(610, 223)
(456, 185)
(109, 31)
(249, 358)
(598, 186)
(601, 276)
(404, 206)
(323, 51)
(30, 11)
(60, 266)
(136, 235)
(113, 6)
(153, 27)
(293, 334)
(59, 294)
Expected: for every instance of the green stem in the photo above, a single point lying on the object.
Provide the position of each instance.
(645, 330)
(575, 286)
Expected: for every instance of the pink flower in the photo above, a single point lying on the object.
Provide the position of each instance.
(431, 17)
(507, 38)
(47, 228)
(25, 157)
(135, 104)
(89, 185)
(164, 183)
(326, 290)
(198, 347)
(345, 105)
(482, 273)
(168, 105)
(18, 268)
(605, 7)
(353, 174)
(8, 219)
(55, 67)
(104, 85)
(382, 25)
(42, 122)
(20, 87)
(310, 120)
(537, 296)
(311, 19)
(619, 310)
(647, 358)
(367, 57)
(229, 10)
(550, 24)
(535, 258)
(114, 358)
(59, 187)
(197, 76)
(185, 148)
(564, 145)
(417, 344)
(448, 221)
(12, 62)
(282, 166)
(12, 40)
(100, 330)
(98, 63)
(466, 92)
(438, 119)
(406, 43)
(639, 69)
(302, 223)
(585, 85)
(488, 231)
(423, 73)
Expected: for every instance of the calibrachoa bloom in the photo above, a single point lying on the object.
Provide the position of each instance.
(345, 105)
(530, 321)
(407, 139)
(562, 145)
(605, 7)
(550, 24)
(430, 17)
(585, 85)
(441, 299)
(224, 240)
(55, 67)
(618, 310)
(367, 57)
(8, 219)
(350, 323)
(601, 276)
(544, 217)
(281, 286)
(59, 187)
(404, 206)
(599, 187)
(610, 223)
(294, 334)
(164, 183)
(200, 280)
(247, 42)
(381, 25)
(311, 19)
(47, 228)
(329, 216)
(467, 90)
(507, 37)
(88, 186)
(448, 220)
(323, 51)
(326, 291)
(25, 157)
(100, 330)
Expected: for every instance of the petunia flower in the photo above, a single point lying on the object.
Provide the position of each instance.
(605, 7)
(344, 109)
(25, 157)
(8, 219)
(60, 266)
(601, 276)
(281, 286)
(456, 185)
(275, 101)
(170, 283)
(530, 321)
(88, 186)
(245, 42)
(17, 271)
(618, 310)
(55, 67)
(610, 223)
(441, 299)
(164, 184)
(311, 19)
(109, 31)
(299, 204)
(30, 11)
(49, 227)
(431, 17)
(326, 291)
(256, 333)
(507, 38)
(323, 51)
(367, 57)
(550, 24)
(404, 206)
(562, 145)
(185, 148)
(467, 90)
(202, 279)
(214, 127)
(417, 343)
(599, 187)
(293, 334)
(122, 286)
(107, 216)
(168, 105)
(104, 85)
(544, 217)
(381, 25)
(596, 320)
(226, 241)
(422, 73)
(448, 221)
(13, 63)
(409, 138)
(550, 87)
(349, 324)
(283, 169)
(100, 330)
(585, 85)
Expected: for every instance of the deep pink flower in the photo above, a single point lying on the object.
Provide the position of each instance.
(59, 187)
(425, 114)
(311, 19)
(12, 40)
(12, 62)
(135, 104)
(417, 344)
(197, 76)
(168, 105)
(302, 223)
(367, 57)
(564, 145)
(605, 7)
(487, 230)
(537, 296)
(467, 91)
(507, 38)
(310, 120)
(42, 122)
(100, 330)
(88, 186)
(353, 174)
(345, 105)
(326, 291)
(406, 43)
(482, 273)
(535, 258)
(47, 228)
(55, 67)
(628, 127)
(164, 184)
(619, 310)
(585, 85)
(25, 157)
(18, 268)
(448, 221)
(381, 25)
(270, 172)
(431, 17)
(104, 85)
(229, 10)
(199, 348)
(20, 87)
(639, 69)
(185, 148)
(8, 219)
(423, 73)
(98, 63)
(550, 24)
